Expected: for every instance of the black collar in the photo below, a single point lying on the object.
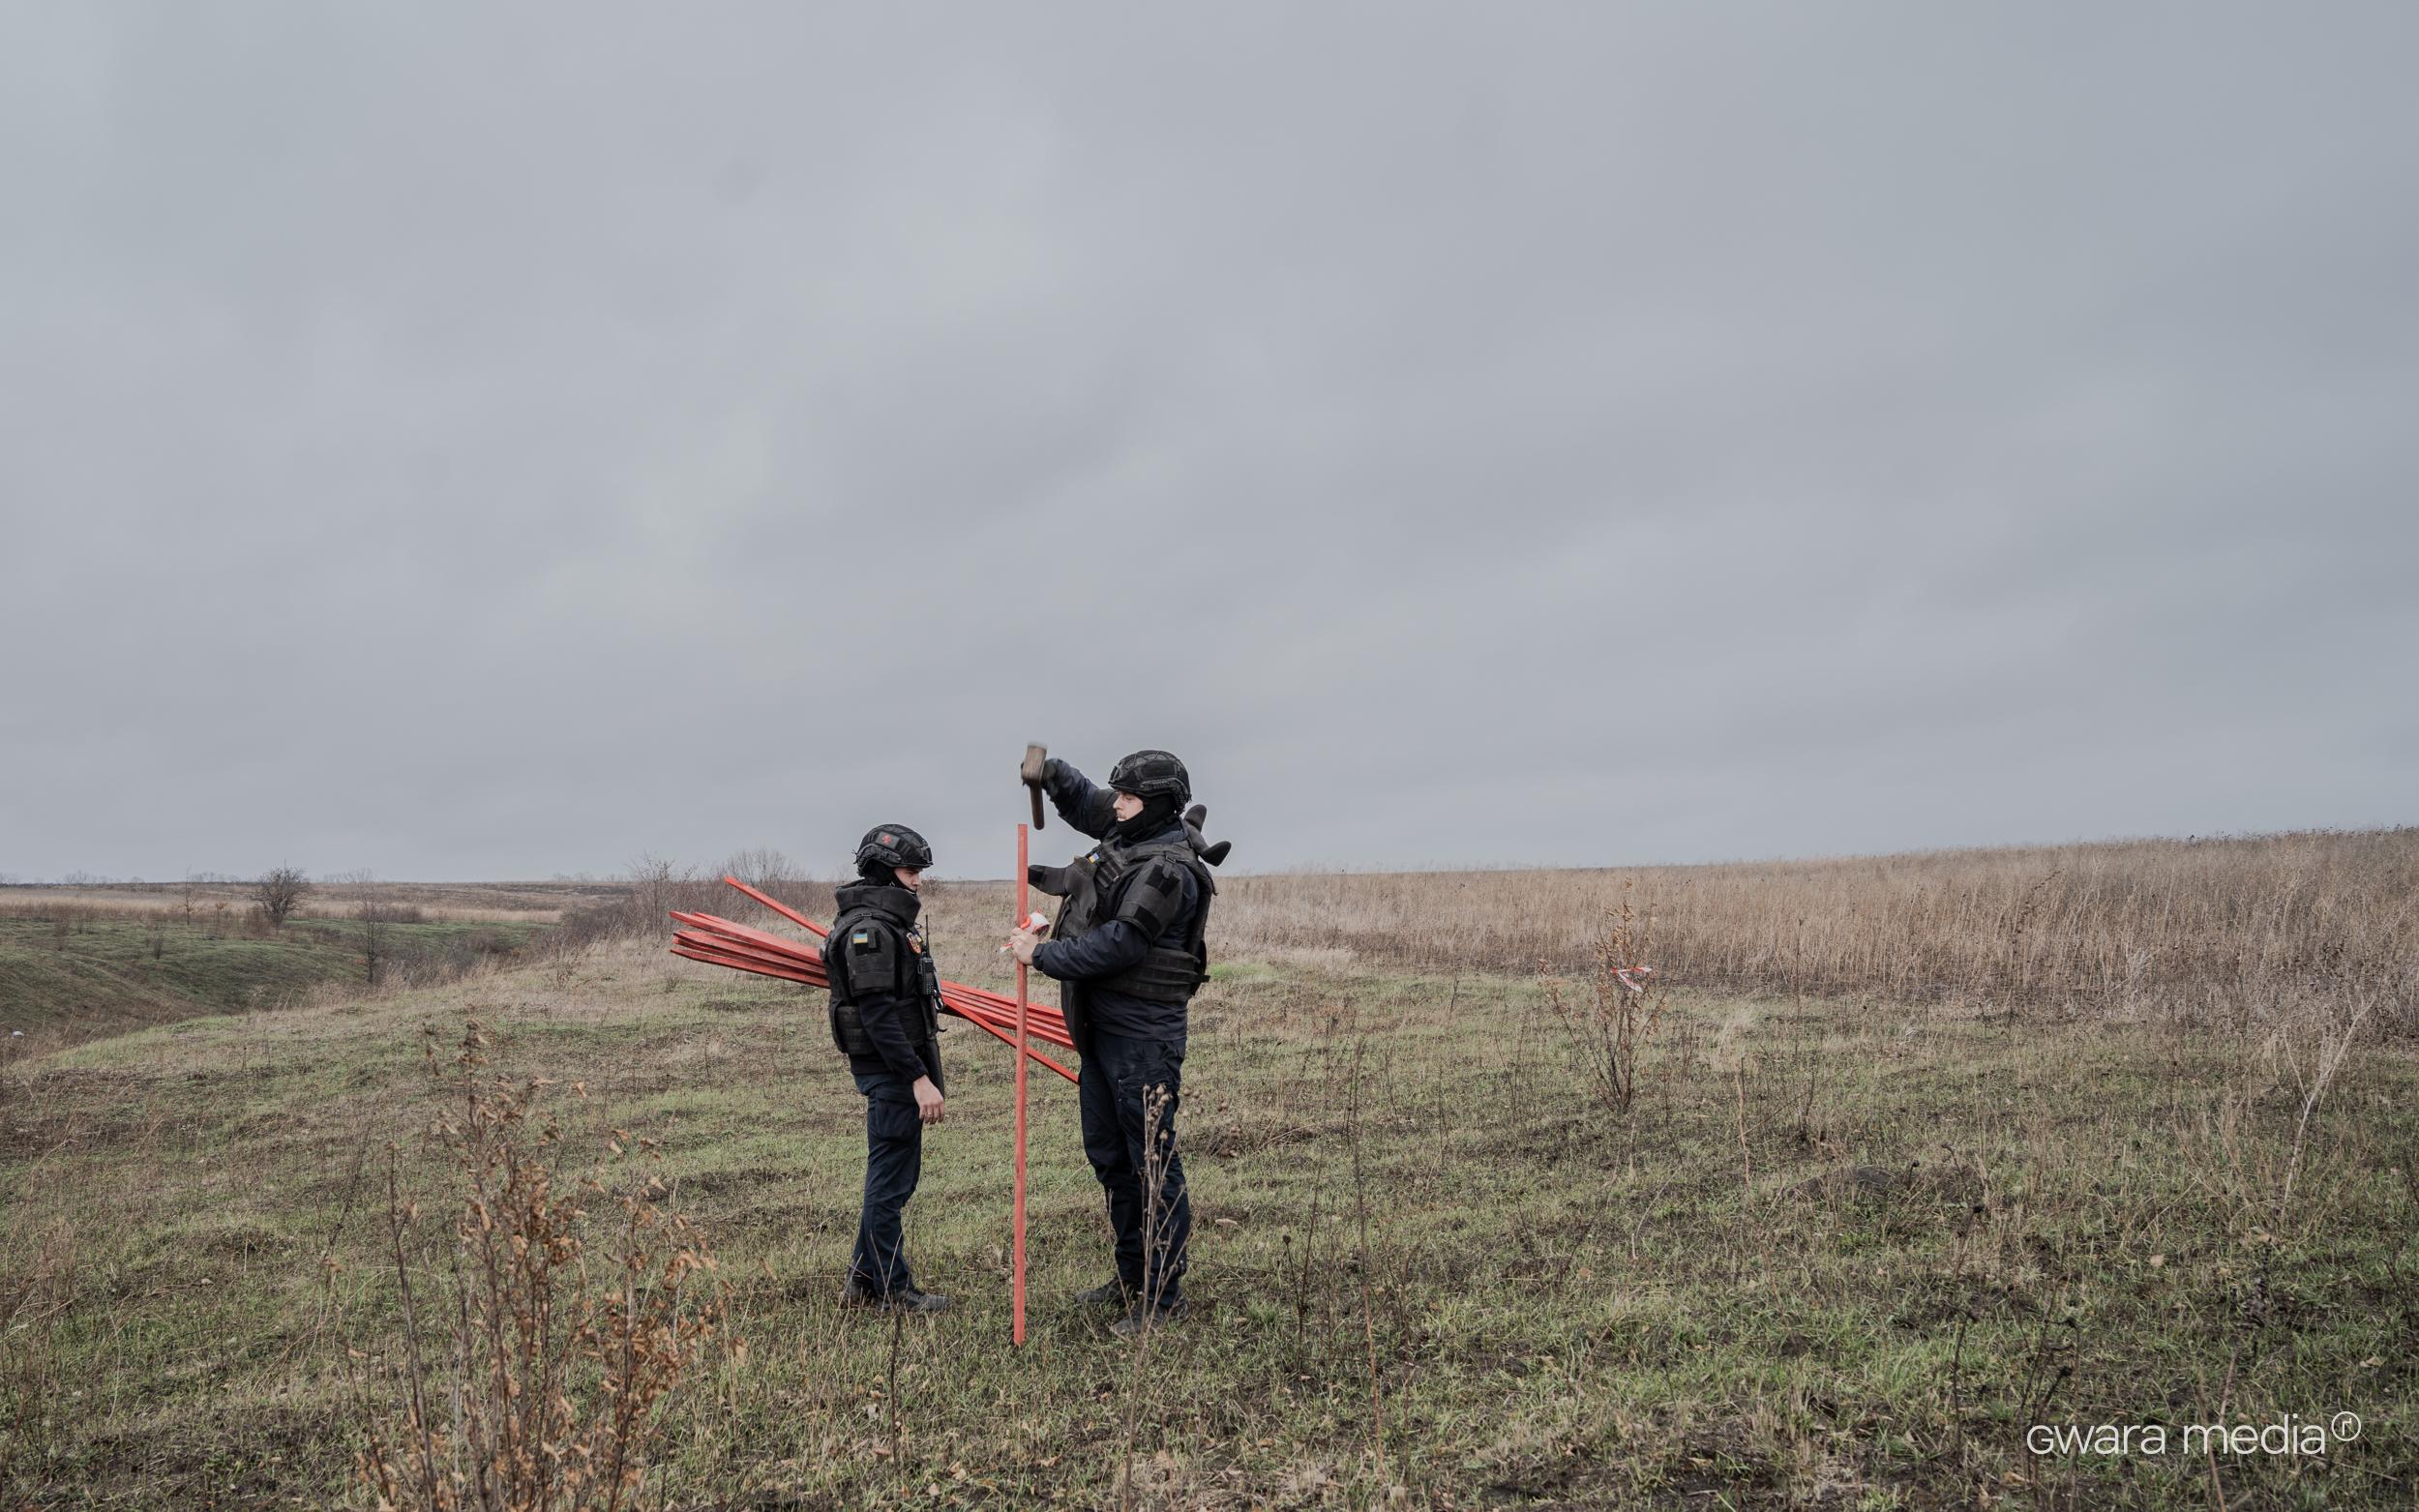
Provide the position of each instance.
(883, 898)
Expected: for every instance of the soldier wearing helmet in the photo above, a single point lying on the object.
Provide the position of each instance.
(1128, 956)
(885, 1002)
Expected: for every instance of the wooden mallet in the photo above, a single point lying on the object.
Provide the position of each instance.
(1035, 759)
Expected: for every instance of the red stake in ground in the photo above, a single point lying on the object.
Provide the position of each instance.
(1017, 1205)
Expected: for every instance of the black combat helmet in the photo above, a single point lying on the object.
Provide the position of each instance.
(1152, 774)
(894, 846)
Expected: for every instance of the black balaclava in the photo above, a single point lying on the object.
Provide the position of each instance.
(878, 874)
(1158, 811)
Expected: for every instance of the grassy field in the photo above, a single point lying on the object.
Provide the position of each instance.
(1840, 1251)
(85, 973)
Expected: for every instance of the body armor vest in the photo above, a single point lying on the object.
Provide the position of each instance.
(918, 980)
(1167, 975)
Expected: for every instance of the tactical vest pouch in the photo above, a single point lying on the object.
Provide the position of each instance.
(1162, 976)
(848, 1030)
(928, 994)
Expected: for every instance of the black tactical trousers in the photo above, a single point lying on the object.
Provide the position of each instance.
(894, 1158)
(1114, 1093)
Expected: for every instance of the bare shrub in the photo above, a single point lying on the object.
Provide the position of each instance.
(278, 892)
(530, 1377)
(373, 914)
(1610, 1017)
(561, 950)
(655, 887)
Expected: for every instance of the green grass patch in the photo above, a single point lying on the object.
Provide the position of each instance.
(106, 976)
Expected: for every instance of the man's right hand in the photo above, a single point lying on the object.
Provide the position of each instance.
(928, 1103)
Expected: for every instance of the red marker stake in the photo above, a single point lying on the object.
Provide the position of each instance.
(1017, 1220)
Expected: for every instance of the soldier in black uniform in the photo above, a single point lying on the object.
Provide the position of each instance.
(885, 1004)
(1129, 955)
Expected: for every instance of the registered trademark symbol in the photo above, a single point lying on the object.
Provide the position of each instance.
(2346, 1427)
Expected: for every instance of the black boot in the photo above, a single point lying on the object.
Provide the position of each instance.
(1142, 1317)
(1115, 1294)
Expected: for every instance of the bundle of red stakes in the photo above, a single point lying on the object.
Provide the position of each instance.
(721, 942)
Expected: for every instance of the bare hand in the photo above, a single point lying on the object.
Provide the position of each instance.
(1021, 943)
(928, 1101)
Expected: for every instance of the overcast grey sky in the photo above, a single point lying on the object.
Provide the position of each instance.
(487, 441)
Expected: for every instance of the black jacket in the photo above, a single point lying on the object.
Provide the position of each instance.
(1116, 946)
(891, 1010)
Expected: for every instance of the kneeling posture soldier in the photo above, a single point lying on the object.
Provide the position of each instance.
(885, 998)
(1129, 955)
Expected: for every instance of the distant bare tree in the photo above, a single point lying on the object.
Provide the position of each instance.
(278, 893)
(763, 868)
(375, 914)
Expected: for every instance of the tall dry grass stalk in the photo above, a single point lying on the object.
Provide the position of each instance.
(1157, 1269)
(2226, 929)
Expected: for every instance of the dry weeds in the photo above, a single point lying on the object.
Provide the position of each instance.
(2235, 930)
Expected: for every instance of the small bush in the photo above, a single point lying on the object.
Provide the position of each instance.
(530, 1376)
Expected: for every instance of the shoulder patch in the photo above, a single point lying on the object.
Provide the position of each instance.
(1154, 900)
(872, 961)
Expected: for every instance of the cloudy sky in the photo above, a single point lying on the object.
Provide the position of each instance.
(473, 441)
